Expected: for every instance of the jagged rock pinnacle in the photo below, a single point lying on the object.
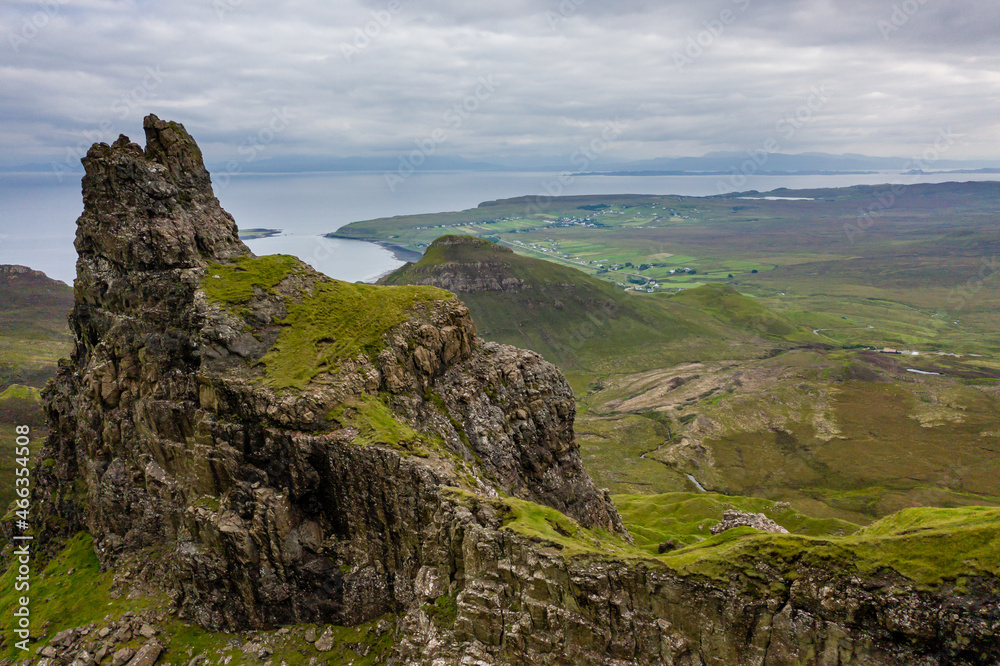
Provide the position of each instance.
(154, 209)
(221, 448)
(170, 144)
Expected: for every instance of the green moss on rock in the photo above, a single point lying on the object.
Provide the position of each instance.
(443, 612)
(71, 592)
(208, 502)
(374, 421)
(339, 321)
(546, 525)
(377, 425)
(19, 392)
(332, 321)
(926, 546)
(929, 547)
(234, 283)
(686, 518)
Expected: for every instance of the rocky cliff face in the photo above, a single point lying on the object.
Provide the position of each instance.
(270, 446)
(464, 277)
(264, 504)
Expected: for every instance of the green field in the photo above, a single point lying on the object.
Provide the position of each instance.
(34, 333)
(585, 325)
(931, 549)
(840, 434)
(726, 353)
(922, 274)
(824, 422)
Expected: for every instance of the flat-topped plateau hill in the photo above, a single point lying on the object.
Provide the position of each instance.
(586, 325)
(249, 461)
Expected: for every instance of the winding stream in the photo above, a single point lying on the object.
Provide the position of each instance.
(695, 482)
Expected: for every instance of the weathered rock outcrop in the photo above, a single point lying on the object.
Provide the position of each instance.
(469, 277)
(270, 446)
(523, 604)
(732, 518)
(261, 506)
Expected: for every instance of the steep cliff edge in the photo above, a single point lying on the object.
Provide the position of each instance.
(271, 447)
(278, 439)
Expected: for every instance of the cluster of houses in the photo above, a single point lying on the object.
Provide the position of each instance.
(466, 224)
(577, 222)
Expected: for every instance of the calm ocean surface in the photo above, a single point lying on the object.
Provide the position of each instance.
(38, 213)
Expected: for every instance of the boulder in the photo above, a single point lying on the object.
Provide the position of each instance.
(733, 518)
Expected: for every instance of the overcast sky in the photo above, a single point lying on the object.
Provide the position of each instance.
(503, 81)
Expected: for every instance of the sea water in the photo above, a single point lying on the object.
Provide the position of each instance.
(38, 212)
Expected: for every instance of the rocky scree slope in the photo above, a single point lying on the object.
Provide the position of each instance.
(270, 447)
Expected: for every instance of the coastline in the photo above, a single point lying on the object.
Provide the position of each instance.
(375, 280)
(398, 251)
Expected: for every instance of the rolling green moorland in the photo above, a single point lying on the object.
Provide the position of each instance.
(911, 267)
(726, 352)
(34, 335)
(755, 371)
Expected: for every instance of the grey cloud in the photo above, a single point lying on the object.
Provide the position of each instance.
(360, 78)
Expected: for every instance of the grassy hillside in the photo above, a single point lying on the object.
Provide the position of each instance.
(912, 267)
(833, 429)
(72, 591)
(19, 406)
(842, 434)
(687, 518)
(34, 334)
(334, 322)
(732, 307)
(932, 549)
(584, 324)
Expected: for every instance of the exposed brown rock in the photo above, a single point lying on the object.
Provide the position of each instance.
(256, 507)
(259, 510)
(732, 518)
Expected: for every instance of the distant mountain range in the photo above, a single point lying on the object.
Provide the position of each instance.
(714, 162)
(816, 163)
